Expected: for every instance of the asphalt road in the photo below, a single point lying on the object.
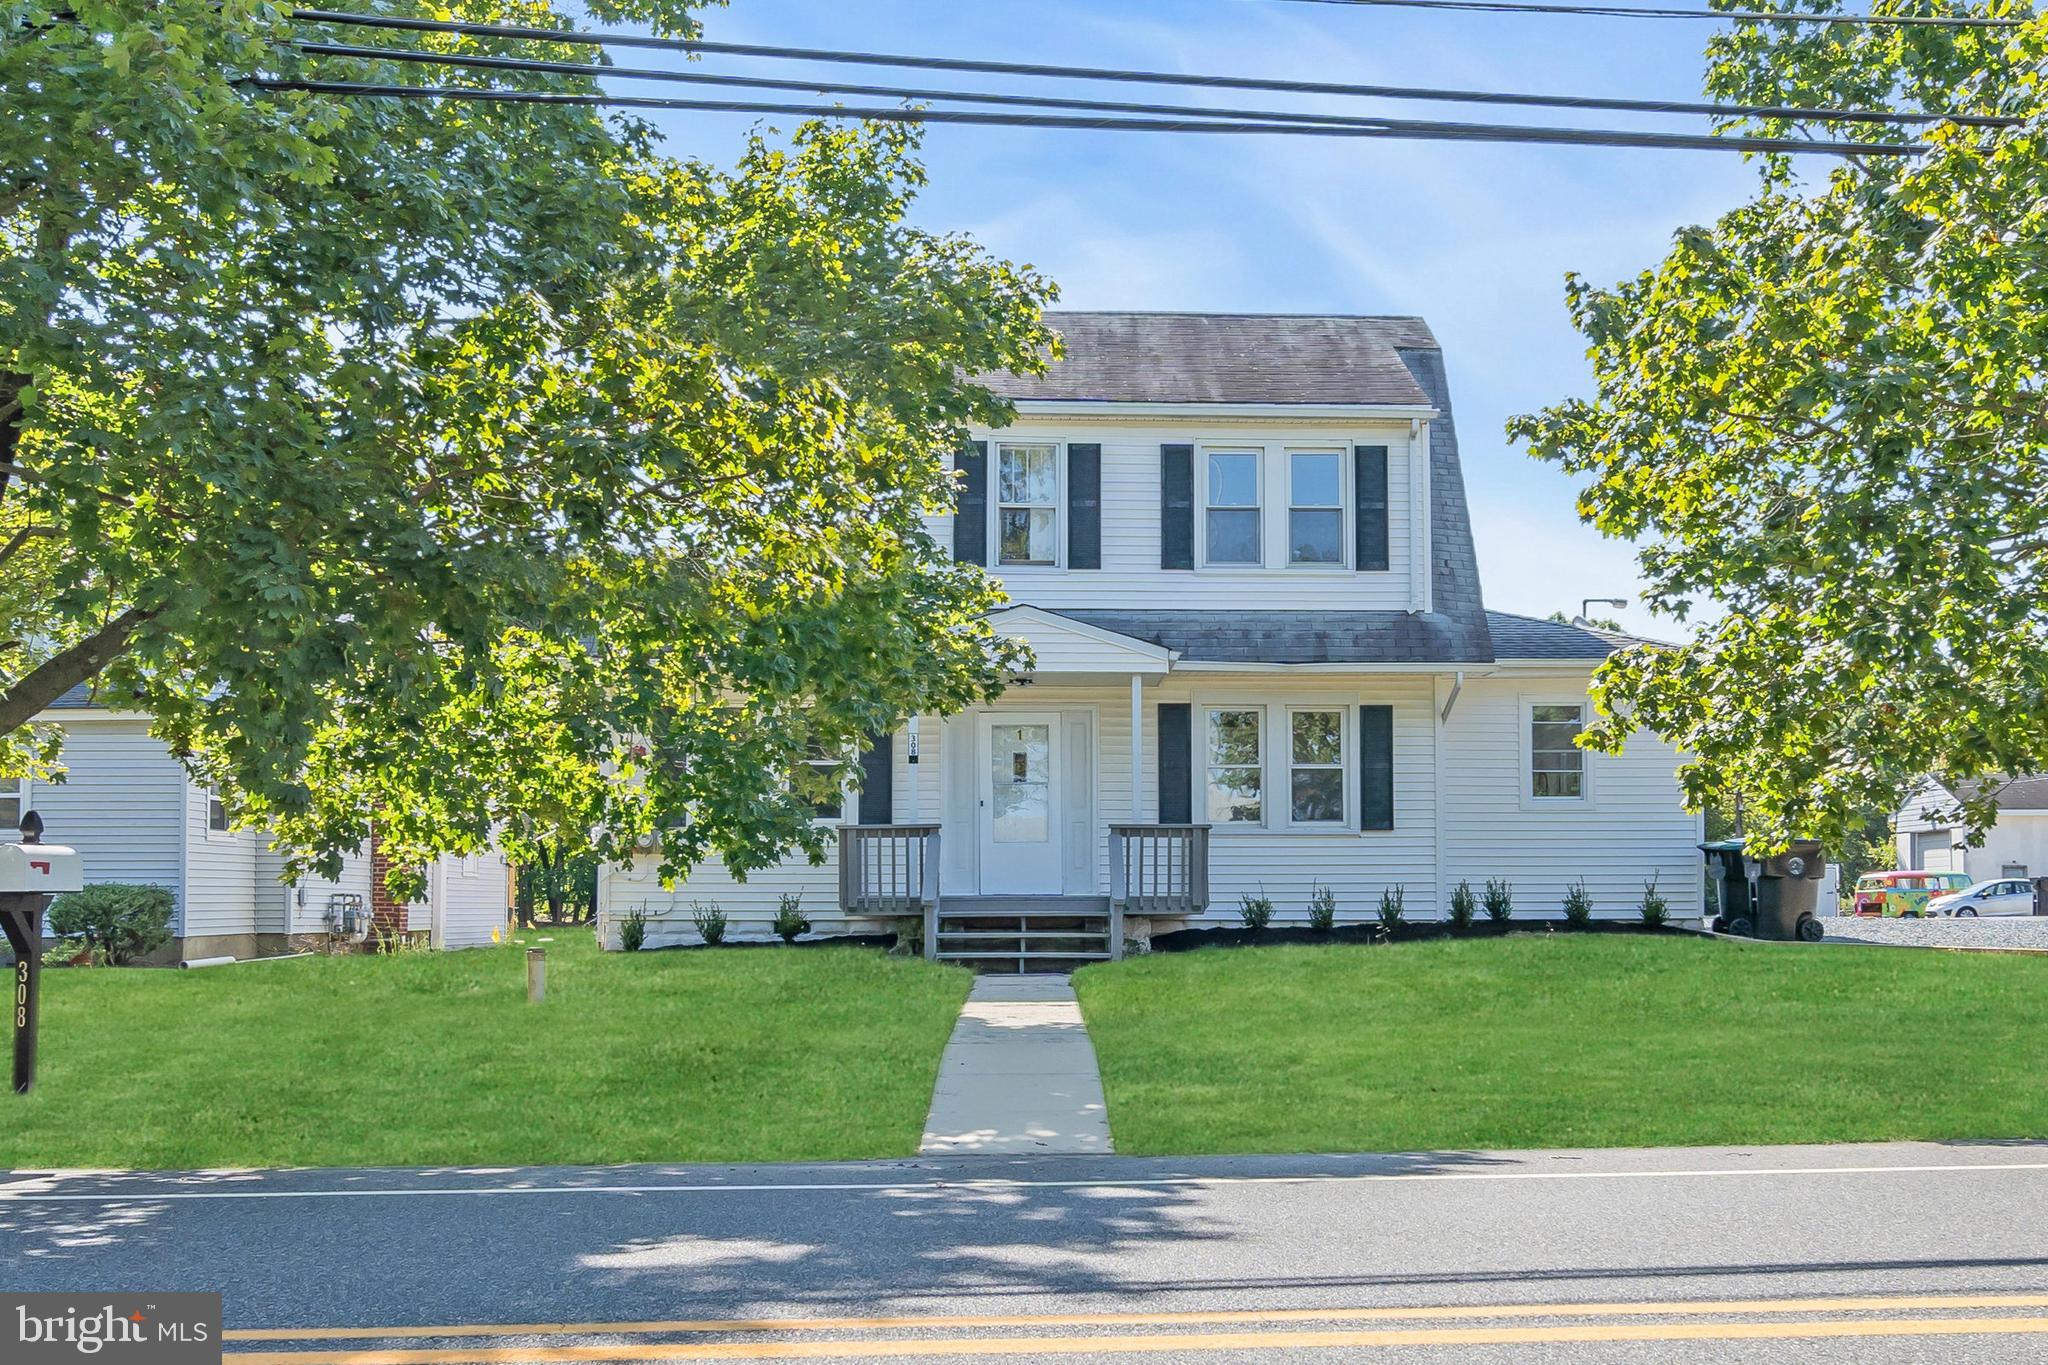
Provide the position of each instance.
(1903, 1252)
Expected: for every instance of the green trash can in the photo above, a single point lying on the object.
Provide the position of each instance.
(1771, 898)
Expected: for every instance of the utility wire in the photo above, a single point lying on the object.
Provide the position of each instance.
(1089, 73)
(1212, 123)
(1661, 12)
(478, 61)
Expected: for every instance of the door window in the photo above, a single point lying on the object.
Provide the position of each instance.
(1020, 784)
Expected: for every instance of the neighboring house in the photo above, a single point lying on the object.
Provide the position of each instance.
(135, 815)
(1239, 550)
(1930, 839)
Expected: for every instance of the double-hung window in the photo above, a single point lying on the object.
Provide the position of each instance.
(1027, 503)
(1231, 508)
(13, 801)
(831, 805)
(1236, 754)
(216, 812)
(1315, 766)
(1315, 507)
(1557, 765)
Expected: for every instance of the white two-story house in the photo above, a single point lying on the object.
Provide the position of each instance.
(1238, 548)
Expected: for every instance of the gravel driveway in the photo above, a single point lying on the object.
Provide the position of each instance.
(1991, 931)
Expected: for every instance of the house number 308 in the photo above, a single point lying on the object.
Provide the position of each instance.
(21, 994)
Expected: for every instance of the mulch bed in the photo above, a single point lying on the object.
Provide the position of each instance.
(1228, 936)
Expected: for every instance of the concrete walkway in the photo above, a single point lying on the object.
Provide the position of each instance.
(1019, 1074)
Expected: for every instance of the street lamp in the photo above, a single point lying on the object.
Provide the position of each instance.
(1586, 605)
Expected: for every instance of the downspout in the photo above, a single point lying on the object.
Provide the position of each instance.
(1451, 702)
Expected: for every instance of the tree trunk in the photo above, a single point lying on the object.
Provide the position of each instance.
(32, 694)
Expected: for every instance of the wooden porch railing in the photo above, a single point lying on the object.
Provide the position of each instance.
(1159, 869)
(888, 869)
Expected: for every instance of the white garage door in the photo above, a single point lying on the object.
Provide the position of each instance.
(1933, 851)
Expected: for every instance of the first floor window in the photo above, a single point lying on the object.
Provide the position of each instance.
(1236, 777)
(1557, 765)
(1315, 767)
(1231, 532)
(1315, 507)
(13, 801)
(1027, 504)
(832, 805)
(216, 811)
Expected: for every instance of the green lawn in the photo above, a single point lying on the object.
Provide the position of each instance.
(1565, 1041)
(436, 1058)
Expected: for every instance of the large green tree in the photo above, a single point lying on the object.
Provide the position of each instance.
(1823, 416)
(457, 466)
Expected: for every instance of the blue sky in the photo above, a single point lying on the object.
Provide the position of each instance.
(1477, 239)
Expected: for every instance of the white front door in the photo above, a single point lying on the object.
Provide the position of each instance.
(1018, 795)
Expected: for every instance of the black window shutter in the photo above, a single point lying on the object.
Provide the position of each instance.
(1376, 767)
(970, 515)
(1176, 764)
(1084, 506)
(1370, 464)
(878, 782)
(1176, 507)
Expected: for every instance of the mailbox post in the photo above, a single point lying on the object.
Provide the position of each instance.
(31, 872)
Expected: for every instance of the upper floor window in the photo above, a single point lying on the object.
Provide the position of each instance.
(1027, 504)
(1237, 765)
(1315, 507)
(216, 812)
(1231, 530)
(1557, 765)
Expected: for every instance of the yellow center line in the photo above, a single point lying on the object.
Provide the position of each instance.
(1182, 1343)
(1446, 1312)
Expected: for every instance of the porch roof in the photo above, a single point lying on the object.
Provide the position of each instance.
(1296, 637)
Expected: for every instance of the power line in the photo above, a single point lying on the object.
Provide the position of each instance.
(1214, 123)
(1127, 76)
(478, 61)
(1661, 12)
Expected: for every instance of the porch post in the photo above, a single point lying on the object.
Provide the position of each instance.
(1137, 748)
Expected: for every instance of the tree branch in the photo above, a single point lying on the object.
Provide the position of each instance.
(34, 692)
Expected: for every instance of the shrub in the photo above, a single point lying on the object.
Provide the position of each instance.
(1322, 909)
(1255, 911)
(789, 917)
(709, 919)
(1578, 905)
(1393, 907)
(1499, 900)
(119, 923)
(633, 931)
(1654, 909)
(1462, 906)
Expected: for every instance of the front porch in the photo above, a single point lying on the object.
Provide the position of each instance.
(1156, 871)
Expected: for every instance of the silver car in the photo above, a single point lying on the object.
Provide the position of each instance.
(2005, 896)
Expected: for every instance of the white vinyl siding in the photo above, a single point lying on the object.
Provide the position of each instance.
(475, 895)
(1130, 576)
(1630, 827)
(118, 804)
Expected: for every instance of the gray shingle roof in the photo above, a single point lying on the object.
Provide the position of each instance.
(74, 699)
(1227, 358)
(1291, 637)
(1526, 637)
(2011, 793)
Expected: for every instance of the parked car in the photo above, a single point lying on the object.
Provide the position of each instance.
(2006, 896)
(1890, 895)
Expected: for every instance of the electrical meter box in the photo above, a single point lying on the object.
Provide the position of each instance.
(49, 869)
